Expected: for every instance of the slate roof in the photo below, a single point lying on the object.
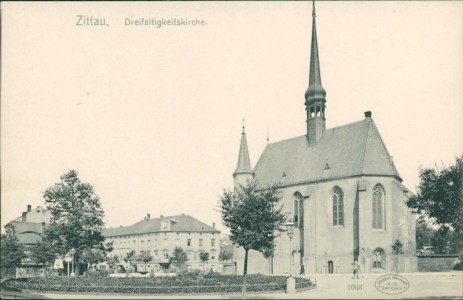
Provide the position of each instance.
(244, 163)
(344, 151)
(181, 223)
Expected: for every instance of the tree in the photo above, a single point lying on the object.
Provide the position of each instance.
(129, 256)
(144, 257)
(440, 196)
(77, 216)
(204, 257)
(224, 255)
(178, 258)
(424, 233)
(252, 217)
(43, 253)
(12, 253)
(91, 256)
(443, 240)
(113, 261)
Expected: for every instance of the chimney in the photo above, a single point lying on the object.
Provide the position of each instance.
(24, 217)
(213, 225)
(367, 114)
(148, 216)
(29, 208)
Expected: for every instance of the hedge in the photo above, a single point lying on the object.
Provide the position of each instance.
(160, 285)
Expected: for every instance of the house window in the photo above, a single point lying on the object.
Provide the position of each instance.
(188, 242)
(200, 242)
(338, 210)
(378, 207)
(212, 242)
(166, 255)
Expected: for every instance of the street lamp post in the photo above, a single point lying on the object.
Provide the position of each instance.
(290, 232)
(72, 252)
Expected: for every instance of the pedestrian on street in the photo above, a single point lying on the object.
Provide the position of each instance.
(355, 268)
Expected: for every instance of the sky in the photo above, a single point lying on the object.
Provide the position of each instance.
(152, 116)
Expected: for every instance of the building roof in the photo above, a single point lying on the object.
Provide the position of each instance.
(180, 223)
(244, 163)
(344, 151)
(27, 232)
(36, 215)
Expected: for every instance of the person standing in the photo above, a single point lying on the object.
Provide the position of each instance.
(355, 268)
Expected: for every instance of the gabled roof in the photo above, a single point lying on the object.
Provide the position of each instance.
(180, 223)
(349, 150)
(38, 213)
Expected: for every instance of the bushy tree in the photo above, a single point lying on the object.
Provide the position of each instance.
(144, 257)
(204, 257)
(43, 253)
(92, 256)
(252, 216)
(444, 240)
(178, 257)
(224, 255)
(112, 261)
(440, 196)
(424, 233)
(12, 253)
(77, 216)
(129, 256)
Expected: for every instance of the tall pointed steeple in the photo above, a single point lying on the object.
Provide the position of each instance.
(315, 94)
(243, 170)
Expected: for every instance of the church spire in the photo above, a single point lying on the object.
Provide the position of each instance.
(315, 94)
(243, 170)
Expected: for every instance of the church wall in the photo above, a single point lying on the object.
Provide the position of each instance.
(328, 248)
(399, 225)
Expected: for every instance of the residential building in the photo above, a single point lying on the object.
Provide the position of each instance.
(29, 227)
(341, 189)
(159, 237)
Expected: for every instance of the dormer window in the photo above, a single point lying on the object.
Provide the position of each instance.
(165, 225)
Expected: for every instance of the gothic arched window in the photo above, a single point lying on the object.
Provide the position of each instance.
(378, 207)
(338, 207)
(379, 258)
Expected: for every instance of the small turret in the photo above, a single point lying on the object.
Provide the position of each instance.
(243, 170)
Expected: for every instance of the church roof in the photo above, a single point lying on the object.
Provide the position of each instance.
(244, 163)
(180, 223)
(349, 150)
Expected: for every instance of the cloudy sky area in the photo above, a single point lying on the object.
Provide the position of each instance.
(152, 116)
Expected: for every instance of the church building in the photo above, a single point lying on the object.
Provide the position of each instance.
(341, 189)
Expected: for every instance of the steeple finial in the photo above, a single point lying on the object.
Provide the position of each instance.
(267, 134)
(313, 9)
(243, 127)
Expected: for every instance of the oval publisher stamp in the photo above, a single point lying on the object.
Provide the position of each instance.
(392, 284)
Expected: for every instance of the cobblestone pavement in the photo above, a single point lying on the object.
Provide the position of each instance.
(340, 286)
